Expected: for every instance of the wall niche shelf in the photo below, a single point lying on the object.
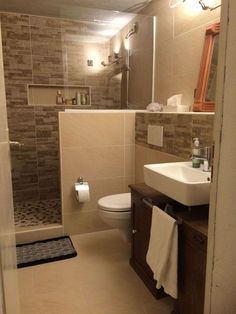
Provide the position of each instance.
(45, 94)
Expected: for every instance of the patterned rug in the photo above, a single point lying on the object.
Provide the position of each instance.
(44, 251)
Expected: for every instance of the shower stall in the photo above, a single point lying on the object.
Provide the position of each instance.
(105, 55)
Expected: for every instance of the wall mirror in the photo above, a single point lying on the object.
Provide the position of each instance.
(206, 88)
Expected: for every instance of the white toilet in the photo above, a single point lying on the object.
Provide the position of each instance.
(115, 210)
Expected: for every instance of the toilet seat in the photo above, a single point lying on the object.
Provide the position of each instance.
(116, 203)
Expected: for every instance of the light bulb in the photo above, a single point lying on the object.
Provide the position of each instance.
(192, 7)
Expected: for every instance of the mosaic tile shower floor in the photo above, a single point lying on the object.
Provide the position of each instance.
(37, 212)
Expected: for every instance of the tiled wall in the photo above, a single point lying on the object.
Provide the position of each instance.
(44, 50)
(179, 130)
(98, 146)
(36, 164)
(140, 61)
(179, 43)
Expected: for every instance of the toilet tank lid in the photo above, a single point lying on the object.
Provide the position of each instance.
(116, 202)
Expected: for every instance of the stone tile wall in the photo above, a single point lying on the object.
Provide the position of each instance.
(35, 174)
(43, 50)
(179, 130)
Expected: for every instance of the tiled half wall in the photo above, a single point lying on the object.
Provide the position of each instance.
(99, 146)
(179, 130)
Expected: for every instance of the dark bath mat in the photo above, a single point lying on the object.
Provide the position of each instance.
(44, 251)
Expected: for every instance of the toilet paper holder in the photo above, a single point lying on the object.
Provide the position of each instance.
(82, 190)
(80, 180)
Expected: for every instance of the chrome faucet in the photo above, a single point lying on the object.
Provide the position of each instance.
(207, 158)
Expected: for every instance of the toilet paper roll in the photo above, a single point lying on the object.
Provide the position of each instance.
(82, 192)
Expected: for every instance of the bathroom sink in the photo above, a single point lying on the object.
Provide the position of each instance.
(179, 181)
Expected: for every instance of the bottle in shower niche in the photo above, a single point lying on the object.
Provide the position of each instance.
(83, 99)
(59, 98)
(78, 98)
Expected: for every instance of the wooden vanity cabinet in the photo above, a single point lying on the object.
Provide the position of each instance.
(192, 247)
(141, 218)
(192, 254)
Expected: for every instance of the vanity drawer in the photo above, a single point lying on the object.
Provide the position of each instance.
(194, 238)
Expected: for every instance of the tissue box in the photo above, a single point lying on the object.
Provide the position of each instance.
(182, 108)
(169, 109)
(174, 100)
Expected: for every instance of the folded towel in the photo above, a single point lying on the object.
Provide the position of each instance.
(162, 255)
(154, 106)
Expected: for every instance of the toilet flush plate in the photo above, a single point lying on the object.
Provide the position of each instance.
(155, 135)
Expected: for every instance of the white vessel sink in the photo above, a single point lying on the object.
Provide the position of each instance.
(179, 181)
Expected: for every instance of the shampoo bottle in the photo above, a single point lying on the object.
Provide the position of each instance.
(83, 98)
(78, 98)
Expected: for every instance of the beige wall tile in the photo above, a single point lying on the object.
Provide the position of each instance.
(32, 234)
(180, 37)
(128, 180)
(164, 66)
(90, 129)
(98, 189)
(144, 155)
(84, 222)
(129, 160)
(89, 149)
(140, 160)
(165, 22)
(140, 63)
(92, 162)
(129, 128)
(188, 18)
(185, 68)
(154, 156)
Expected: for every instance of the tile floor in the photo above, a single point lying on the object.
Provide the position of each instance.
(36, 213)
(98, 281)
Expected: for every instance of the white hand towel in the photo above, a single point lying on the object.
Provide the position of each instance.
(162, 255)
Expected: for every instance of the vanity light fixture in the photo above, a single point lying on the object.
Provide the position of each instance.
(174, 3)
(207, 7)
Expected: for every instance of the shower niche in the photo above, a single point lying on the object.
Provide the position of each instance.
(72, 95)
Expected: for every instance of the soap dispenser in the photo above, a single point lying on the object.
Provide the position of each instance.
(196, 153)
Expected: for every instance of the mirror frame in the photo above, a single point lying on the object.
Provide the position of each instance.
(199, 102)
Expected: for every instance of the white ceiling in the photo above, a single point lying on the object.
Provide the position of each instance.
(79, 9)
(108, 14)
